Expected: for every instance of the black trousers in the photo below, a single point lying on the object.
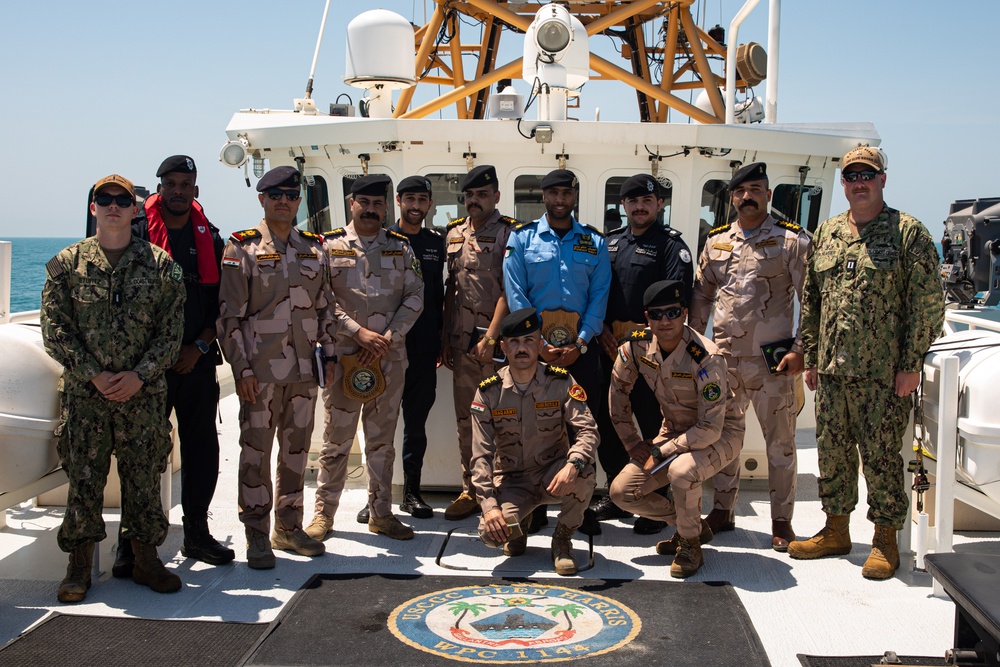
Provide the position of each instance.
(419, 391)
(645, 407)
(195, 398)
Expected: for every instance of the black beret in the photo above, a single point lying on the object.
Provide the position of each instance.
(755, 171)
(520, 323)
(560, 178)
(479, 177)
(640, 185)
(414, 184)
(373, 185)
(279, 177)
(182, 164)
(664, 293)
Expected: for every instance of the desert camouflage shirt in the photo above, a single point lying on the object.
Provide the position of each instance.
(96, 318)
(872, 303)
(275, 304)
(752, 283)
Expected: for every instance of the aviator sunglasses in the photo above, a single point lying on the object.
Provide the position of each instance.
(104, 199)
(657, 314)
(276, 193)
(853, 176)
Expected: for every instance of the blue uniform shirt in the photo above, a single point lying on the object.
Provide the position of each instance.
(573, 273)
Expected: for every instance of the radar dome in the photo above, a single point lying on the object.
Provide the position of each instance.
(380, 51)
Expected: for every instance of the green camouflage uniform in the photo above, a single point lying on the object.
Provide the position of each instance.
(872, 306)
(97, 318)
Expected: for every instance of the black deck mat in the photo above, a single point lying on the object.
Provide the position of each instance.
(862, 660)
(346, 619)
(81, 641)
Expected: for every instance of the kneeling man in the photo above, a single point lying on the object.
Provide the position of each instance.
(702, 429)
(522, 456)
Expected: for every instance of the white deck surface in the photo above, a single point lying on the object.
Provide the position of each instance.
(819, 607)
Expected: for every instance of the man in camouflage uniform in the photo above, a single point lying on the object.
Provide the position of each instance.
(702, 429)
(872, 306)
(379, 291)
(112, 314)
(751, 271)
(275, 306)
(522, 456)
(474, 304)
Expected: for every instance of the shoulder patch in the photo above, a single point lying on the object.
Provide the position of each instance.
(595, 230)
(53, 268)
(720, 229)
(455, 223)
(339, 231)
(788, 225)
(177, 272)
(507, 220)
(557, 371)
(697, 352)
(245, 235)
(490, 381)
(521, 225)
(577, 392)
(312, 237)
(397, 235)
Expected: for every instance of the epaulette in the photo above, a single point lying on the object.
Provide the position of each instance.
(618, 230)
(312, 237)
(521, 225)
(640, 334)
(719, 229)
(455, 223)
(490, 381)
(557, 371)
(433, 231)
(673, 233)
(54, 267)
(245, 235)
(397, 235)
(595, 230)
(697, 352)
(791, 226)
(507, 220)
(339, 231)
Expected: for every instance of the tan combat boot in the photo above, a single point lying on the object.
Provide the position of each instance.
(463, 506)
(688, 559)
(562, 551)
(390, 526)
(884, 558)
(74, 587)
(259, 553)
(669, 546)
(320, 526)
(298, 541)
(149, 570)
(833, 540)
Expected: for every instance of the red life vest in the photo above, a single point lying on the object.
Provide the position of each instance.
(208, 268)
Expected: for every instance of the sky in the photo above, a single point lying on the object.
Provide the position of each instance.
(91, 89)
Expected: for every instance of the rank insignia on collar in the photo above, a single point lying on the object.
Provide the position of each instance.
(696, 351)
(245, 235)
(491, 380)
(556, 371)
(312, 237)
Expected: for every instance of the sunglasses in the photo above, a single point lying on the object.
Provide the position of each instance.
(853, 176)
(658, 314)
(104, 199)
(276, 193)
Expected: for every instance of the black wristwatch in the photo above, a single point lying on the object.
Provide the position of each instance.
(202, 345)
(657, 454)
(579, 464)
(142, 378)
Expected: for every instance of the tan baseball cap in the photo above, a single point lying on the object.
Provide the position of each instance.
(863, 155)
(115, 179)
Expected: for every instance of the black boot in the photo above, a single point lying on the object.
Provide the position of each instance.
(412, 503)
(200, 545)
(124, 558)
(539, 519)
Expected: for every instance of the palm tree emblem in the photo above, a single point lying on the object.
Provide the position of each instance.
(570, 611)
(460, 609)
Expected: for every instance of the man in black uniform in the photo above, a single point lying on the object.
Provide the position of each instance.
(642, 253)
(174, 221)
(423, 342)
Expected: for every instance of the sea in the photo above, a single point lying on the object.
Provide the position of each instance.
(27, 274)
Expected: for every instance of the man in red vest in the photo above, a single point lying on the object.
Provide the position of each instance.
(174, 221)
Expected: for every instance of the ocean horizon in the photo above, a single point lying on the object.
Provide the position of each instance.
(27, 271)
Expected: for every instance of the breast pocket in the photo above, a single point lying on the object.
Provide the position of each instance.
(312, 273)
(770, 260)
(540, 265)
(583, 265)
(272, 277)
(90, 293)
(509, 453)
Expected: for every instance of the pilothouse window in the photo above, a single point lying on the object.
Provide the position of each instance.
(315, 215)
(788, 204)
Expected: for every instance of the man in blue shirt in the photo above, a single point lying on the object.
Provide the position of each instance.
(561, 268)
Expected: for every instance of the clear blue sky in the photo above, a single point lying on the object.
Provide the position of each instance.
(94, 88)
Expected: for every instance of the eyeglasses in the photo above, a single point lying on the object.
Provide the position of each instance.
(276, 193)
(104, 199)
(658, 314)
(853, 176)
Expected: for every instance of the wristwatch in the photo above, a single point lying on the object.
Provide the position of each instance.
(142, 378)
(581, 346)
(202, 345)
(490, 340)
(577, 463)
(656, 454)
